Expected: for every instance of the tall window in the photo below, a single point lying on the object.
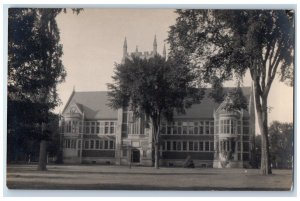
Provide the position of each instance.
(184, 145)
(98, 127)
(196, 146)
(97, 144)
(191, 146)
(168, 145)
(93, 127)
(179, 127)
(201, 146)
(206, 146)
(92, 144)
(201, 127)
(195, 127)
(207, 127)
(227, 126)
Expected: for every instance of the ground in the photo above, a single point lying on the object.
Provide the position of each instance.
(96, 177)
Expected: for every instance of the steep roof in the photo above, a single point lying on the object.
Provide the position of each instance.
(94, 104)
(207, 106)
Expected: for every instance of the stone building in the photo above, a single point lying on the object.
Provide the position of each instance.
(208, 133)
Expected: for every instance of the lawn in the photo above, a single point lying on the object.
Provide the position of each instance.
(96, 177)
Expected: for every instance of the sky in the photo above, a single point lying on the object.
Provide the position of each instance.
(93, 42)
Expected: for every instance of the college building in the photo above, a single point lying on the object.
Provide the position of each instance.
(208, 133)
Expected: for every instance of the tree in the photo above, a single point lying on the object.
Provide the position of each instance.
(281, 144)
(34, 70)
(228, 43)
(153, 87)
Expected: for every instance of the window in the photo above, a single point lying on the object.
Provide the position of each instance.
(191, 146)
(111, 144)
(112, 127)
(179, 128)
(245, 130)
(178, 147)
(101, 144)
(87, 127)
(106, 144)
(239, 127)
(92, 127)
(92, 144)
(195, 127)
(217, 127)
(239, 146)
(174, 129)
(106, 127)
(191, 129)
(74, 126)
(184, 145)
(174, 145)
(207, 127)
(168, 145)
(227, 126)
(98, 127)
(201, 147)
(196, 146)
(79, 144)
(169, 129)
(97, 144)
(211, 125)
(73, 144)
(211, 146)
(206, 146)
(201, 129)
(86, 144)
(246, 146)
(184, 129)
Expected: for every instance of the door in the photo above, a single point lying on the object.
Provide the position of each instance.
(135, 156)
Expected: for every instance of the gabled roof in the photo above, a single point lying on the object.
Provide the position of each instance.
(93, 104)
(208, 106)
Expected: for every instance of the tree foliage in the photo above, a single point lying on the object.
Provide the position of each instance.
(153, 87)
(281, 144)
(225, 44)
(34, 70)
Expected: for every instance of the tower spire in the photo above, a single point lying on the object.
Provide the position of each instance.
(124, 50)
(164, 51)
(155, 45)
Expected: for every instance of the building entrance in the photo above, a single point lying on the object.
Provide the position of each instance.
(135, 156)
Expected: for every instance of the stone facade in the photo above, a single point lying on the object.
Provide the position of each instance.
(208, 133)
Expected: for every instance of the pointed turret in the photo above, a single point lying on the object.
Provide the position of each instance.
(136, 49)
(154, 45)
(164, 52)
(124, 50)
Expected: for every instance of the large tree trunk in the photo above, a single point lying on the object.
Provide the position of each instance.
(156, 129)
(262, 117)
(156, 155)
(43, 156)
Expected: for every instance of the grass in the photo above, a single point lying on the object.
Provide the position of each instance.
(96, 177)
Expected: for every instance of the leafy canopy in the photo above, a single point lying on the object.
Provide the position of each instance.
(153, 87)
(226, 43)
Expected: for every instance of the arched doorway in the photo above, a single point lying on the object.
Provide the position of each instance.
(135, 156)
